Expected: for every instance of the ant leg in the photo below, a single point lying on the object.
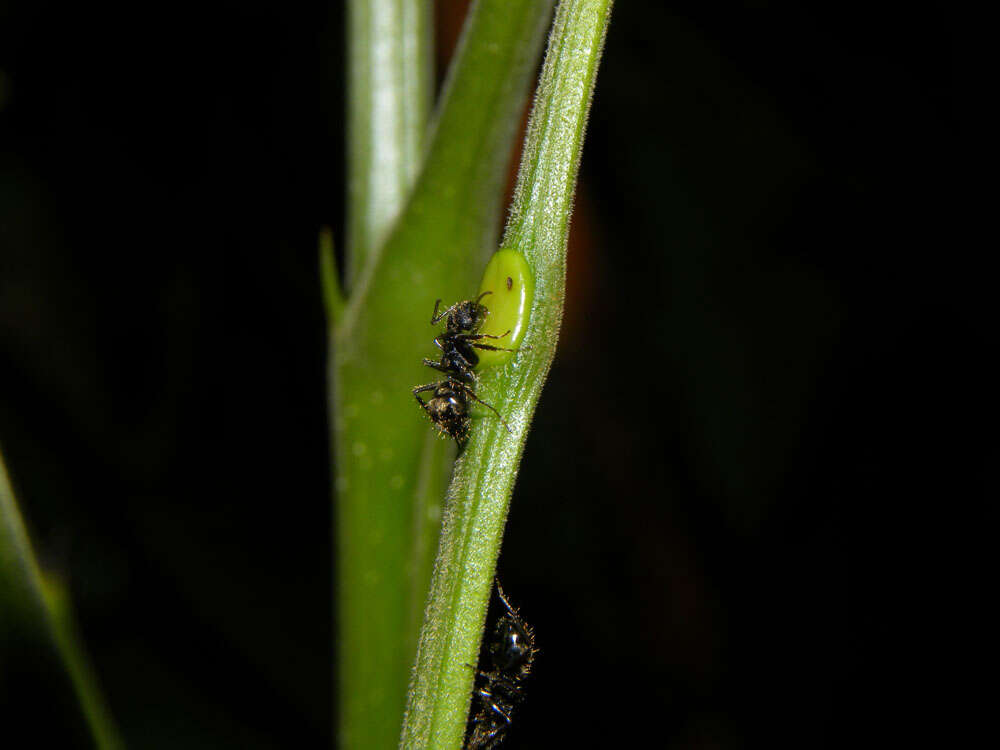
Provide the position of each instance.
(489, 348)
(467, 378)
(491, 336)
(496, 708)
(477, 336)
(466, 375)
(494, 737)
(503, 598)
(468, 392)
(511, 609)
(490, 700)
(435, 318)
(473, 340)
(481, 296)
(437, 366)
(422, 389)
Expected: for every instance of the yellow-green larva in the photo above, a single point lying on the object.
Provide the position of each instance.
(511, 284)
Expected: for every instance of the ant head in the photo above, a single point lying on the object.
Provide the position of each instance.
(469, 315)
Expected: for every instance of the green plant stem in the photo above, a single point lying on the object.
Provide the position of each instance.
(484, 476)
(389, 93)
(391, 469)
(35, 606)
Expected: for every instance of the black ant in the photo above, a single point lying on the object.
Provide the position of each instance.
(448, 407)
(512, 651)
(462, 337)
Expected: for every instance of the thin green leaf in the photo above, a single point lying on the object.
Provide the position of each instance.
(329, 276)
(37, 607)
(484, 475)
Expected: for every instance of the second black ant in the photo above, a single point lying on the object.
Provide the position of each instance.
(501, 689)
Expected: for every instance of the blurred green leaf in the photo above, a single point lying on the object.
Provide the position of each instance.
(36, 608)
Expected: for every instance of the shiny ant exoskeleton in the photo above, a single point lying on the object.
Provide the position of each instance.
(501, 690)
(448, 407)
(462, 337)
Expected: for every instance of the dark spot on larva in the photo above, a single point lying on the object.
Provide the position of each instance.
(510, 283)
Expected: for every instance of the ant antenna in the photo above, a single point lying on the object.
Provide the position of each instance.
(502, 421)
(503, 597)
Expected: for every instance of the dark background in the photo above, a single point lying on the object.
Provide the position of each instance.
(717, 532)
